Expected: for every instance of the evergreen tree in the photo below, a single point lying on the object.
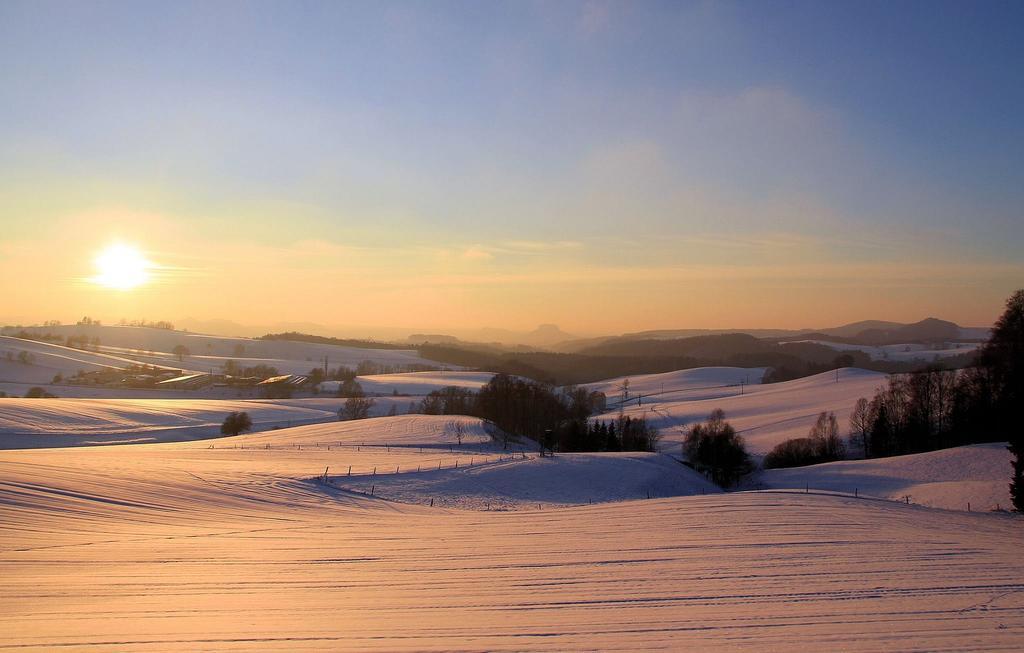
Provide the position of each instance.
(1003, 358)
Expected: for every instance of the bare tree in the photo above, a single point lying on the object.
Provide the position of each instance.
(181, 351)
(458, 430)
(860, 424)
(356, 408)
(825, 433)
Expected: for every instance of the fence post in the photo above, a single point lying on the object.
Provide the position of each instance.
(350, 470)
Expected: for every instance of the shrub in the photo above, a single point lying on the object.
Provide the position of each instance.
(38, 393)
(793, 453)
(356, 408)
(236, 423)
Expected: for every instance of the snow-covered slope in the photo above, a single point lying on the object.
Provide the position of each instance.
(696, 383)
(976, 475)
(183, 547)
(422, 383)
(44, 360)
(121, 346)
(763, 414)
(400, 431)
(29, 423)
(523, 482)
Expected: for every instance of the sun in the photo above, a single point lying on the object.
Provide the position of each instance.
(122, 267)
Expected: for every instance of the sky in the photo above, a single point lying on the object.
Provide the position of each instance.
(605, 166)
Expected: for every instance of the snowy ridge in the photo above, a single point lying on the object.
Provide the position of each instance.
(976, 475)
(525, 481)
(695, 383)
(422, 383)
(121, 346)
(763, 414)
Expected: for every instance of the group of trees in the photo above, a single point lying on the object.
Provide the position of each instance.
(522, 407)
(823, 444)
(36, 392)
(918, 412)
(938, 408)
(715, 448)
(159, 324)
(40, 337)
(622, 434)
(233, 368)
(82, 341)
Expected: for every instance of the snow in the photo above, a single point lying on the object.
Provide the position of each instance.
(950, 478)
(902, 352)
(182, 547)
(523, 481)
(422, 383)
(49, 359)
(27, 423)
(696, 383)
(121, 346)
(763, 414)
(390, 534)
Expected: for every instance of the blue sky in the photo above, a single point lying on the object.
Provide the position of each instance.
(518, 152)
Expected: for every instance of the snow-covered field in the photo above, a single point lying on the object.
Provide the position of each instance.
(526, 481)
(422, 383)
(121, 346)
(975, 476)
(763, 414)
(212, 546)
(688, 385)
(28, 423)
(904, 352)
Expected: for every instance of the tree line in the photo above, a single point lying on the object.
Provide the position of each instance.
(935, 409)
(557, 418)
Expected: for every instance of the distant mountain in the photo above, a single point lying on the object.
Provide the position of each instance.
(855, 328)
(219, 328)
(579, 345)
(708, 347)
(927, 330)
(545, 335)
(432, 338)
